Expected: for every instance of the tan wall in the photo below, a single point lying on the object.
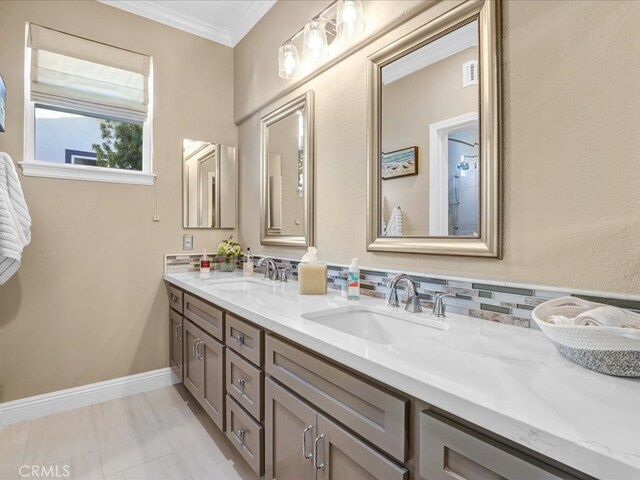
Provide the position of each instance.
(89, 303)
(571, 116)
(409, 106)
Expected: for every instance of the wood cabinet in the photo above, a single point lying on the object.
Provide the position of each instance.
(449, 451)
(175, 343)
(204, 370)
(302, 443)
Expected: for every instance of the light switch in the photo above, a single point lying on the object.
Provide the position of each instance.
(187, 241)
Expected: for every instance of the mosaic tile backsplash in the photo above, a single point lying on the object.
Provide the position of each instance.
(483, 300)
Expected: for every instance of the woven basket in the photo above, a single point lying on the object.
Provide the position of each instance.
(609, 350)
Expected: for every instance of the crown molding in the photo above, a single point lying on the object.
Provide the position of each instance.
(252, 15)
(154, 10)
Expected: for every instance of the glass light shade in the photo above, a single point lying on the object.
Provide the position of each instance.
(288, 61)
(350, 19)
(314, 45)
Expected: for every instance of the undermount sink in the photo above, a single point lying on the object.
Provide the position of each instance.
(239, 284)
(375, 324)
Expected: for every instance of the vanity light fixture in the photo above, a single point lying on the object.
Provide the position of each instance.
(289, 61)
(341, 19)
(349, 18)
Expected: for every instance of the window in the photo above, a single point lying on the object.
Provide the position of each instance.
(87, 111)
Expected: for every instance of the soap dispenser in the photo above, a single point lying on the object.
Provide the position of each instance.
(353, 280)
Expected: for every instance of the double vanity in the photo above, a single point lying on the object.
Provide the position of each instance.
(322, 387)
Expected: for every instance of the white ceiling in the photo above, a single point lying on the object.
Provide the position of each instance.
(223, 21)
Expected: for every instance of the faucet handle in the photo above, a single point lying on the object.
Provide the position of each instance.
(393, 299)
(439, 308)
(282, 274)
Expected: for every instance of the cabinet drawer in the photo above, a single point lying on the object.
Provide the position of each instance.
(175, 298)
(246, 435)
(205, 315)
(376, 414)
(245, 383)
(245, 339)
(449, 451)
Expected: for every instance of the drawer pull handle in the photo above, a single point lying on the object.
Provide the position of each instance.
(241, 434)
(315, 453)
(305, 455)
(241, 381)
(193, 347)
(199, 354)
(239, 339)
(174, 298)
(178, 328)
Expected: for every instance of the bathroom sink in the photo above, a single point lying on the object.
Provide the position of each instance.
(239, 285)
(376, 325)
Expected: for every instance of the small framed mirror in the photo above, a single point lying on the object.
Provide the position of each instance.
(209, 179)
(434, 137)
(287, 174)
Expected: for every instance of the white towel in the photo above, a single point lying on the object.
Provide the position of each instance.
(15, 222)
(609, 317)
(394, 227)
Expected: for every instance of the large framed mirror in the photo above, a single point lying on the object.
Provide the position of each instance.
(434, 137)
(287, 167)
(209, 179)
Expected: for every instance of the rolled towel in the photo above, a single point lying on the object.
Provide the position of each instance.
(608, 316)
(560, 320)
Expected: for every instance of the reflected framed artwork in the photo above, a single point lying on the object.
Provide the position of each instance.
(399, 163)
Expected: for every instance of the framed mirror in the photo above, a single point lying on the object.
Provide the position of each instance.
(434, 137)
(209, 179)
(287, 174)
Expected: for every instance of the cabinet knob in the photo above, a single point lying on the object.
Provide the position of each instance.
(241, 382)
(239, 339)
(241, 434)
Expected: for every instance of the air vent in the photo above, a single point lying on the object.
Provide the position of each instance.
(470, 73)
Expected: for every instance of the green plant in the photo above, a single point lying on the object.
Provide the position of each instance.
(121, 146)
(228, 248)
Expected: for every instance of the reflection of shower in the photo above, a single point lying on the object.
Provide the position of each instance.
(463, 165)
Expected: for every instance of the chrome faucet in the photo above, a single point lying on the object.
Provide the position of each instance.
(271, 268)
(413, 300)
(439, 309)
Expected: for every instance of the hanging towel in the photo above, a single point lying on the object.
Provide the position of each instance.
(15, 222)
(394, 227)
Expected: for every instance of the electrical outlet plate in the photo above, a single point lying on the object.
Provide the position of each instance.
(187, 241)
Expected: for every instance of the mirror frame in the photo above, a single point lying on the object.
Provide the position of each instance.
(307, 239)
(489, 243)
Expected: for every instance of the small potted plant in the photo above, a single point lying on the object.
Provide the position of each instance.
(228, 251)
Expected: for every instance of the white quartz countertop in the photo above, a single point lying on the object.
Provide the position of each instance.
(509, 380)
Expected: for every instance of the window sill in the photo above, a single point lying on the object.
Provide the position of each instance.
(86, 173)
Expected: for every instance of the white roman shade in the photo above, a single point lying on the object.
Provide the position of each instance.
(79, 74)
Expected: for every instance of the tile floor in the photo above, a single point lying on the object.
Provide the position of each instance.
(161, 434)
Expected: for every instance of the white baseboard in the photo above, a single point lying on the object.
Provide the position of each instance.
(62, 400)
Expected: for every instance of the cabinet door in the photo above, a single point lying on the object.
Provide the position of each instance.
(193, 366)
(175, 343)
(289, 432)
(212, 357)
(449, 451)
(340, 455)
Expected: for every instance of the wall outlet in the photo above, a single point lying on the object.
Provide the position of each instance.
(187, 241)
